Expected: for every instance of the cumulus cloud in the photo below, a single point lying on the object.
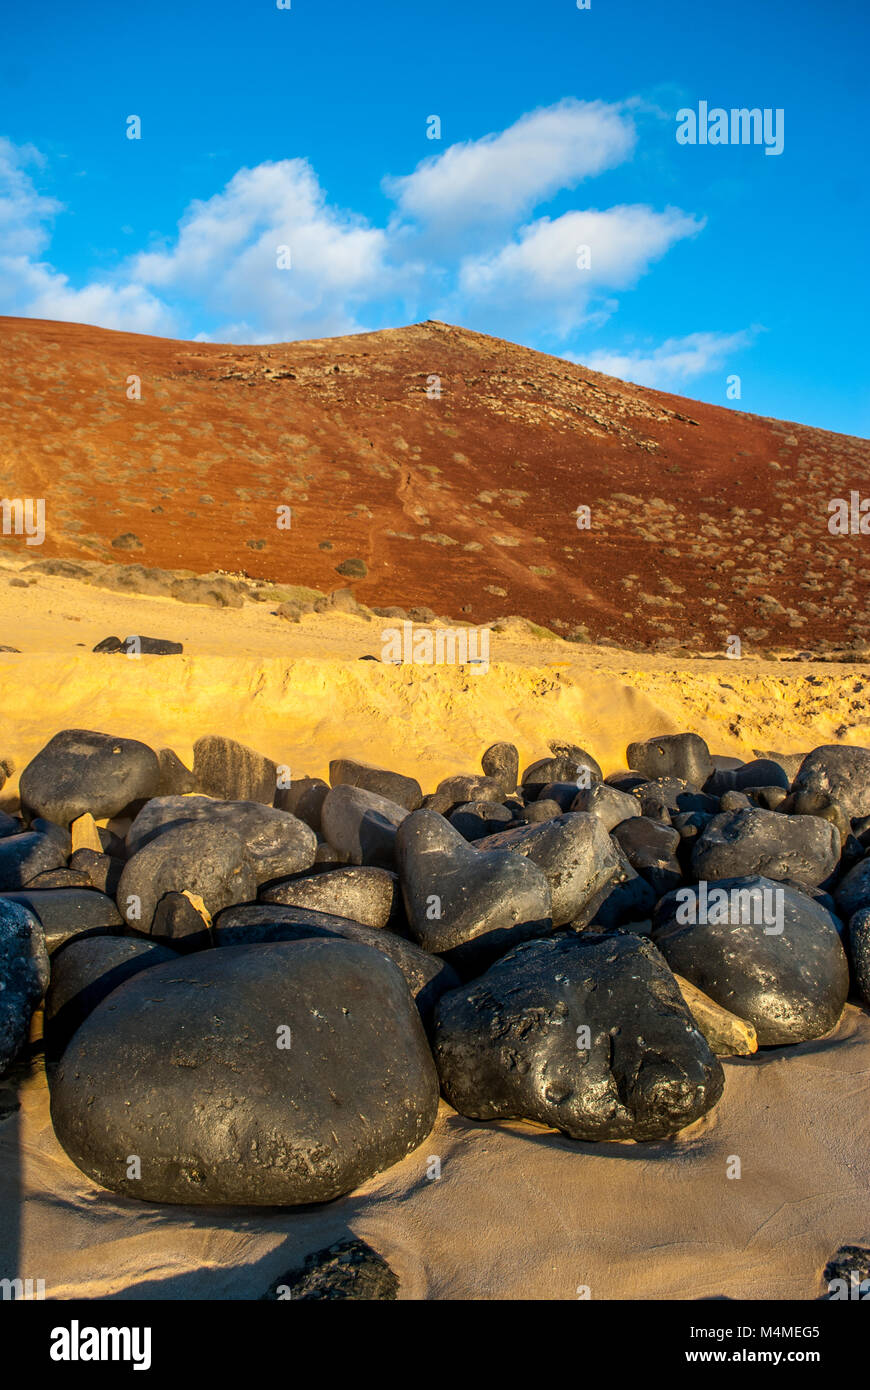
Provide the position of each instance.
(228, 250)
(671, 363)
(560, 265)
(502, 176)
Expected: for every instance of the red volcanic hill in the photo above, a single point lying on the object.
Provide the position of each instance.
(705, 522)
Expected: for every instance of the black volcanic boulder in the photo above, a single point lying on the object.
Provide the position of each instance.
(208, 859)
(626, 898)
(576, 767)
(360, 892)
(24, 857)
(24, 975)
(460, 789)
(684, 756)
(79, 770)
(304, 798)
(853, 891)
(474, 819)
(763, 772)
(588, 1034)
(175, 778)
(427, 976)
(843, 773)
(501, 761)
(765, 951)
(405, 791)
(83, 973)
(607, 803)
(67, 912)
(466, 905)
(573, 850)
(361, 825)
(233, 772)
(277, 843)
(738, 843)
(651, 849)
(859, 947)
(670, 796)
(140, 646)
(350, 1269)
(270, 1075)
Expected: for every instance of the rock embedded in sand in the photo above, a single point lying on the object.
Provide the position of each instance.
(25, 857)
(684, 756)
(313, 1048)
(405, 791)
(588, 1034)
(277, 843)
(501, 762)
(209, 859)
(744, 842)
(349, 1269)
(361, 825)
(24, 975)
(228, 770)
(573, 850)
(466, 905)
(79, 770)
(360, 892)
(427, 976)
(140, 646)
(841, 772)
(765, 951)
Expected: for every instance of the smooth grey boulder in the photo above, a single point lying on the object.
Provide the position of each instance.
(607, 804)
(474, 819)
(624, 901)
(734, 801)
(651, 849)
(271, 1075)
(23, 857)
(573, 850)
(458, 790)
(304, 798)
(404, 791)
(231, 771)
(362, 893)
(588, 1034)
(467, 905)
(541, 810)
(749, 841)
(178, 924)
(24, 975)
(175, 778)
(65, 913)
(853, 891)
(576, 767)
(763, 772)
(83, 973)
(277, 843)
(501, 762)
(79, 770)
(102, 871)
(206, 858)
(765, 951)
(427, 976)
(362, 825)
(841, 772)
(683, 756)
(859, 949)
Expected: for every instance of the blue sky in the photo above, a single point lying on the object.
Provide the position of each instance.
(307, 128)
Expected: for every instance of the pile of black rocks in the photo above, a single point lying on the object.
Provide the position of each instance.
(256, 993)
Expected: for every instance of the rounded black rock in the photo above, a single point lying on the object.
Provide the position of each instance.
(79, 770)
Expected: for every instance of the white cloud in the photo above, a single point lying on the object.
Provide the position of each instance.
(675, 361)
(539, 270)
(502, 176)
(226, 253)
